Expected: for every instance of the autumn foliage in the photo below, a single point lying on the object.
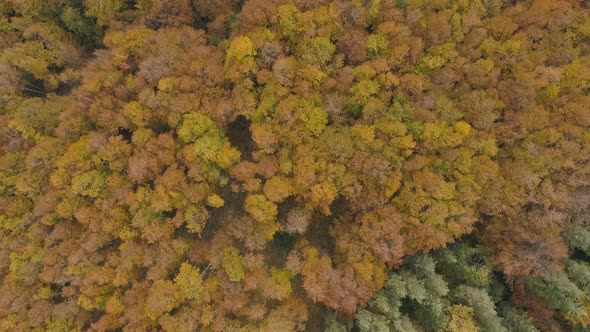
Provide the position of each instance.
(288, 165)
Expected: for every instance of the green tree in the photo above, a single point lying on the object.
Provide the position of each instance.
(579, 237)
(465, 265)
(483, 307)
(233, 264)
(559, 292)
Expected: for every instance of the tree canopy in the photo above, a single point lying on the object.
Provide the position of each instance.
(289, 165)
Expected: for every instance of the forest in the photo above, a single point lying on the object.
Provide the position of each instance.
(295, 165)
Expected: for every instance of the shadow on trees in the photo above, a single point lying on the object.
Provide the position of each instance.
(239, 134)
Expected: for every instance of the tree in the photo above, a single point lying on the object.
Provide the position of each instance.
(87, 32)
(466, 265)
(298, 220)
(240, 56)
(376, 44)
(561, 294)
(260, 208)
(483, 307)
(162, 297)
(89, 184)
(288, 16)
(517, 320)
(104, 11)
(194, 126)
(313, 117)
(233, 264)
(277, 188)
(318, 51)
(578, 237)
(353, 45)
(461, 319)
(196, 218)
(36, 117)
(189, 281)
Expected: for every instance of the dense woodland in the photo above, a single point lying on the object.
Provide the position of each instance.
(288, 165)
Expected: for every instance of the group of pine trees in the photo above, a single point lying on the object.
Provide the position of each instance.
(285, 165)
